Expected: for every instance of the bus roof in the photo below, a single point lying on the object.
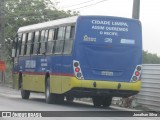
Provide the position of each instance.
(49, 24)
(58, 22)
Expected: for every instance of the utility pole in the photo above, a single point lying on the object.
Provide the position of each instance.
(136, 9)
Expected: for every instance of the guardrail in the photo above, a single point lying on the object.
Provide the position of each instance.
(149, 95)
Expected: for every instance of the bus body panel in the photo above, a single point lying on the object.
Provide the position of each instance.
(108, 57)
(36, 83)
(34, 69)
(108, 54)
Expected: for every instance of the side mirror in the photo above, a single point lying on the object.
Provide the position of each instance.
(13, 53)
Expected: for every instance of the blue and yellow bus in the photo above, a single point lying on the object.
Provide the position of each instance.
(82, 56)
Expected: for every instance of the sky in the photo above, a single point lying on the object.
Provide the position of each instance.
(149, 16)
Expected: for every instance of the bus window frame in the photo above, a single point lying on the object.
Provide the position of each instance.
(17, 44)
(55, 38)
(70, 39)
(32, 43)
(24, 48)
(43, 40)
(36, 41)
(60, 38)
(51, 40)
(29, 43)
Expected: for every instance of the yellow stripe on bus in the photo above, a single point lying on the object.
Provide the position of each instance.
(62, 84)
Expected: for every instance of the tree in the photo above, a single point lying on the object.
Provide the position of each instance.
(26, 12)
(149, 58)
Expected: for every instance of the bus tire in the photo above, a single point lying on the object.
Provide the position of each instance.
(25, 94)
(20, 81)
(50, 98)
(97, 101)
(107, 101)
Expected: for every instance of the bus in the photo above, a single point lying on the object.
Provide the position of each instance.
(98, 57)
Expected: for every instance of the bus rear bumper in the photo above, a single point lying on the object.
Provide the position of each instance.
(90, 92)
(66, 84)
(88, 88)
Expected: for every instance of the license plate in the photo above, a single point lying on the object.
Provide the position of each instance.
(107, 73)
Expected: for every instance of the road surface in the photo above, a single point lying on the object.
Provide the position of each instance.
(10, 100)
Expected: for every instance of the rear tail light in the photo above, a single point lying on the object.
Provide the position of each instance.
(77, 69)
(137, 73)
(139, 68)
(76, 64)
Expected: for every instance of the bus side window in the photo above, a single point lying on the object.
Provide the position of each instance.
(41, 40)
(32, 44)
(36, 43)
(72, 32)
(56, 33)
(50, 43)
(14, 46)
(44, 37)
(60, 41)
(17, 46)
(23, 45)
(69, 36)
(29, 43)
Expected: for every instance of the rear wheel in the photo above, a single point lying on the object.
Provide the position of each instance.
(20, 81)
(104, 101)
(107, 101)
(48, 95)
(24, 93)
(97, 101)
(51, 97)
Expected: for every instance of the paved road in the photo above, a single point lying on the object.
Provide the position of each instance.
(10, 100)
